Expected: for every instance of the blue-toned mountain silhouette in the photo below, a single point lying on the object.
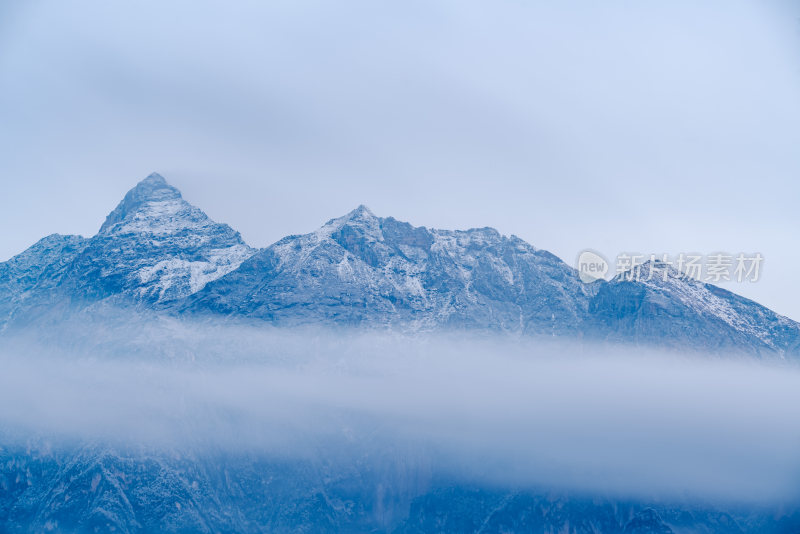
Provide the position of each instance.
(156, 251)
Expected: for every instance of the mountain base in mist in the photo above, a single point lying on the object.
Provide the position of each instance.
(93, 489)
(142, 425)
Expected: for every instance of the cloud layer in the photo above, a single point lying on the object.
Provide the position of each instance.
(511, 412)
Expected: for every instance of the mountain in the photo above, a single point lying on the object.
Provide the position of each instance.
(157, 252)
(31, 280)
(657, 305)
(365, 270)
(106, 489)
(153, 247)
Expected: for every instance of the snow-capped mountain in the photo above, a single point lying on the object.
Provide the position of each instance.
(158, 247)
(157, 251)
(367, 270)
(153, 247)
(658, 305)
(363, 269)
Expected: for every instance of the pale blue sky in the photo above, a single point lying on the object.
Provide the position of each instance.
(621, 126)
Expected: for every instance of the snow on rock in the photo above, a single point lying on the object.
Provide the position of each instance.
(159, 247)
(154, 247)
(364, 269)
(157, 251)
(656, 304)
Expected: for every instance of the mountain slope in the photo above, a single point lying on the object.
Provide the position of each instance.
(154, 247)
(656, 305)
(363, 269)
(31, 279)
(105, 489)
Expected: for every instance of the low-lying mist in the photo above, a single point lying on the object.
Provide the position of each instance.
(494, 410)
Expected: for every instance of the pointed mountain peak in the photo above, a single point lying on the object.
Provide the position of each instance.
(360, 215)
(152, 188)
(360, 221)
(154, 179)
(151, 198)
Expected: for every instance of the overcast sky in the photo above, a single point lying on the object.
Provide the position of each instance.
(620, 126)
